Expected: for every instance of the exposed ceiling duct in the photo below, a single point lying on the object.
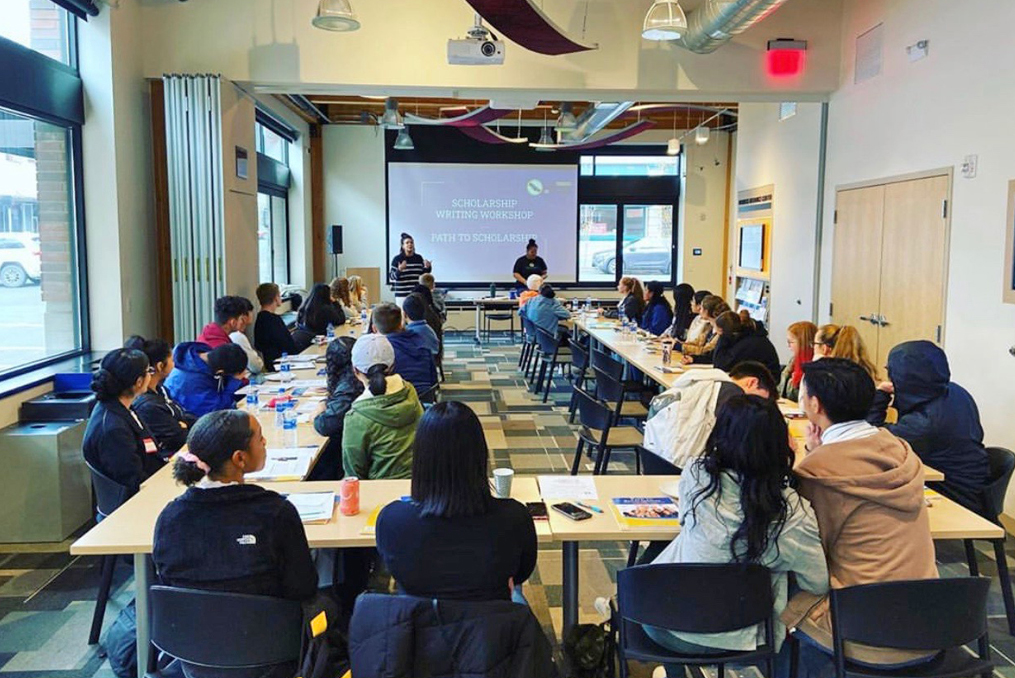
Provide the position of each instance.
(713, 24)
(595, 118)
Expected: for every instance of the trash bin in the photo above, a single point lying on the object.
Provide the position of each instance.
(71, 399)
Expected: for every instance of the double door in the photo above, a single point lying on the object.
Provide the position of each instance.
(888, 272)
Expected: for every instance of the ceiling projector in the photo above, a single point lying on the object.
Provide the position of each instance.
(480, 48)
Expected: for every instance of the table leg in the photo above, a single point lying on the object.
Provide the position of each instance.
(570, 581)
(1005, 579)
(142, 580)
(478, 338)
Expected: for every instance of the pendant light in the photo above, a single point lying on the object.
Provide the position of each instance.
(545, 139)
(391, 119)
(665, 20)
(335, 15)
(566, 121)
(702, 135)
(404, 142)
(673, 145)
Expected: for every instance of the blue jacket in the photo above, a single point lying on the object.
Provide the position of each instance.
(424, 330)
(413, 360)
(545, 313)
(656, 318)
(403, 637)
(194, 387)
(938, 418)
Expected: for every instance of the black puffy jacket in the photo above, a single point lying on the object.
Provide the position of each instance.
(734, 349)
(937, 418)
(403, 637)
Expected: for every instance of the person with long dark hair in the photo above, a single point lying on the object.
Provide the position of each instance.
(658, 313)
(406, 267)
(225, 535)
(162, 417)
(699, 328)
(115, 443)
(454, 541)
(343, 389)
(740, 339)
(683, 296)
(317, 312)
(738, 505)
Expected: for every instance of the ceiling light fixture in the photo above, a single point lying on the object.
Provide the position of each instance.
(566, 120)
(404, 141)
(335, 15)
(673, 145)
(392, 119)
(665, 20)
(545, 139)
(702, 135)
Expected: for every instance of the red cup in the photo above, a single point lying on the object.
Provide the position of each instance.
(349, 501)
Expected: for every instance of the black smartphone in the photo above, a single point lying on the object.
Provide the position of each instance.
(572, 511)
(537, 510)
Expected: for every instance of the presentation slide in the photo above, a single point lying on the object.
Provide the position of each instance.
(473, 221)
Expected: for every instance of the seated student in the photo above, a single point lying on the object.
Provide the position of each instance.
(938, 418)
(658, 315)
(849, 345)
(224, 535)
(343, 389)
(164, 419)
(430, 313)
(800, 339)
(737, 505)
(317, 312)
(271, 337)
(866, 487)
(358, 294)
(229, 313)
(824, 341)
(454, 541)
(255, 363)
(380, 426)
(699, 327)
(545, 311)
(204, 380)
(683, 314)
(681, 418)
(414, 361)
(114, 442)
(532, 284)
(340, 297)
(711, 308)
(437, 298)
(632, 304)
(414, 308)
(740, 339)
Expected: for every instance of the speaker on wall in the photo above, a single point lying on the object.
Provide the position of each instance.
(336, 239)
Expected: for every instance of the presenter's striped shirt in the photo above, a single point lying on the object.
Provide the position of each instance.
(402, 282)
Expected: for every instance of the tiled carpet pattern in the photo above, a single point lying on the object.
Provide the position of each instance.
(46, 595)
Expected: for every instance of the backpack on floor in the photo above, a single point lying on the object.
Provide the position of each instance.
(120, 643)
(590, 651)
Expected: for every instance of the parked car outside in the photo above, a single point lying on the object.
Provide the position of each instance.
(20, 259)
(648, 255)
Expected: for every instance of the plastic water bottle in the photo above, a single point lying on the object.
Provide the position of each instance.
(286, 369)
(330, 332)
(289, 425)
(252, 400)
(279, 411)
(493, 290)
(363, 316)
(588, 303)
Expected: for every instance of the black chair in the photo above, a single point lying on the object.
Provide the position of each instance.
(611, 390)
(490, 317)
(109, 496)
(925, 614)
(650, 464)
(529, 347)
(550, 356)
(215, 629)
(303, 338)
(430, 396)
(599, 432)
(615, 368)
(579, 373)
(699, 598)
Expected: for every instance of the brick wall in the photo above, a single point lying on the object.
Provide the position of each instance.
(48, 28)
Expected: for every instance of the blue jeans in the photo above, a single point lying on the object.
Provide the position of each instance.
(670, 642)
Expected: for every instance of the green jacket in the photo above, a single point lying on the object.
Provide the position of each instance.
(379, 434)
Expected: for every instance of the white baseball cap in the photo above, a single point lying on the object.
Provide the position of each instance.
(370, 350)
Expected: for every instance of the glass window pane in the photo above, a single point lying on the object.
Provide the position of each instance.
(264, 237)
(648, 241)
(39, 25)
(636, 166)
(274, 146)
(597, 243)
(280, 239)
(587, 166)
(40, 314)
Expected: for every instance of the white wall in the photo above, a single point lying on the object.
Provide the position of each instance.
(928, 115)
(784, 154)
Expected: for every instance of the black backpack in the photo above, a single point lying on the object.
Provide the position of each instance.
(590, 651)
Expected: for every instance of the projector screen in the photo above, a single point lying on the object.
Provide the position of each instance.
(473, 221)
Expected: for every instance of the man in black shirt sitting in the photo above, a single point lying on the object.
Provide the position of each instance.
(271, 337)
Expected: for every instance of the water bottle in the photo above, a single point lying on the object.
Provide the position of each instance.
(363, 316)
(286, 368)
(330, 332)
(588, 303)
(289, 435)
(279, 411)
(493, 290)
(252, 400)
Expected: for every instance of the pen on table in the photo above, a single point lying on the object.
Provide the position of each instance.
(590, 508)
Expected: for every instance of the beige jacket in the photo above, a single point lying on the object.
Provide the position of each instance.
(868, 497)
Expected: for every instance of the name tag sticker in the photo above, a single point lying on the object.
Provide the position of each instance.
(247, 540)
(150, 447)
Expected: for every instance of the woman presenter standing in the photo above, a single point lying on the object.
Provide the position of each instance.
(528, 264)
(406, 268)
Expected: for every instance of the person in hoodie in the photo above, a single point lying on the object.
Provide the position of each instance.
(162, 417)
(546, 311)
(866, 487)
(343, 389)
(658, 314)
(938, 418)
(230, 313)
(737, 505)
(414, 360)
(222, 534)
(740, 339)
(206, 379)
(380, 427)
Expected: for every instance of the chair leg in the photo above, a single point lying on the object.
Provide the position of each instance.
(632, 554)
(794, 655)
(770, 667)
(974, 568)
(720, 671)
(577, 457)
(1005, 578)
(549, 378)
(105, 583)
(542, 375)
(602, 459)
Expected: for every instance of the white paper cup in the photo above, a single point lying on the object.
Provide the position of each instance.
(502, 478)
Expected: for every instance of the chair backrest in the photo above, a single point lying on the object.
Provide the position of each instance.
(591, 412)
(529, 327)
(430, 395)
(923, 614)
(109, 494)
(654, 465)
(548, 343)
(225, 630)
(607, 363)
(699, 598)
(302, 338)
(608, 389)
(1002, 463)
(579, 357)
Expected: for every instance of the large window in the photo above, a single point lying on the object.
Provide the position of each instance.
(273, 237)
(648, 241)
(42, 313)
(271, 144)
(597, 243)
